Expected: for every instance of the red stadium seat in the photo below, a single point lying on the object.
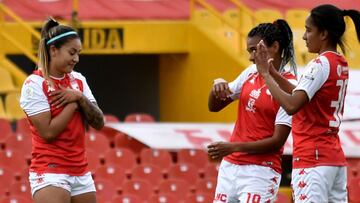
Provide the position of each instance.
(141, 188)
(7, 177)
(282, 198)
(187, 172)
(93, 159)
(127, 198)
(139, 117)
(354, 190)
(124, 141)
(23, 127)
(206, 186)
(21, 189)
(105, 189)
(150, 173)
(15, 199)
(175, 187)
(159, 157)
(122, 157)
(211, 170)
(20, 141)
(163, 198)
(13, 160)
(115, 174)
(200, 198)
(5, 127)
(197, 157)
(111, 118)
(97, 142)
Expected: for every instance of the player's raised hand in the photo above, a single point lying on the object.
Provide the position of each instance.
(221, 89)
(262, 58)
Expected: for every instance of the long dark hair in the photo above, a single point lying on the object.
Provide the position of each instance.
(330, 18)
(281, 32)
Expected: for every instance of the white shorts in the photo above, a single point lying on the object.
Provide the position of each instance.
(246, 184)
(321, 184)
(76, 185)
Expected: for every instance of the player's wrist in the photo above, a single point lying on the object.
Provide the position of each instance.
(219, 80)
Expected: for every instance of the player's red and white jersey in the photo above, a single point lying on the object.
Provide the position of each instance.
(316, 125)
(258, 113)
(66, 154)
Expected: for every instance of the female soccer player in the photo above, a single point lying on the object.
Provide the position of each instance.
(317, 103)
(251, 169)
(57, 102)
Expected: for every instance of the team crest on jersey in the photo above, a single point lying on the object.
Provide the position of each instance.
(311, 73)
(250, 105)
(29, 92)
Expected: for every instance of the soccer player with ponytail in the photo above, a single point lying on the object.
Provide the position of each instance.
(251, 168)
(317, 105)
(58, 101)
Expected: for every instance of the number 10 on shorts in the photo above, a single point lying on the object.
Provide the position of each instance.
(253, 198)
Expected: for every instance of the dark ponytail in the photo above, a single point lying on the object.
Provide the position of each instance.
(51, 29)
(279, 31)
(330, 18)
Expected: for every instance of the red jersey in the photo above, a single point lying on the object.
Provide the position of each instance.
(316, 125)
(258, 113)
(66, 154)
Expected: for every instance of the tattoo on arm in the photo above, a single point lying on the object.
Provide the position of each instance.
(93, 114)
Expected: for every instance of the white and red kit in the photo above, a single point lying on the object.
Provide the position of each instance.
(258, 113)
(66, 154)
(319, 173)
(316, 126)
(247, 177)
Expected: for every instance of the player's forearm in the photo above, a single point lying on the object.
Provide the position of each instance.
(59, 123)
(283, 83)
(93, 114)
(216, 104)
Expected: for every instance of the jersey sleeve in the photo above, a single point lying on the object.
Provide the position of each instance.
(33, 100)
(236, 85)
(282, 118)
(86, 89)
(315, 75)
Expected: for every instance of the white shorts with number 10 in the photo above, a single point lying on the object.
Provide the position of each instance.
(246, 184)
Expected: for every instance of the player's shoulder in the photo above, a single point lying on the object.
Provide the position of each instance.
(34, 80)
(249, 70)
(77, 75)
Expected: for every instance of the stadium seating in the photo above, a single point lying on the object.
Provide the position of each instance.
(187, 172)
(105, 189)
(354, 190)
(141, 188)
(211, 170)
(206, 186)
(124, 141)
(207, 19)
(199, 198)
(148, 172)
(351, 44)
(23, 127)
(191, 156)
(6, 82)
(93, 159)
(176, 187)
(163, 198)
(127, 198)
(21, 189)
(2, 110)
(116, 174)
(268, 15)
(139, 117)
(111, 118)
(122, 157)
(7, 178)
(6, 130)
(97, 142)
(15, 199)
(158, 157)
(19, 141)
(12, 106)
(13, 160)
(296, 18)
